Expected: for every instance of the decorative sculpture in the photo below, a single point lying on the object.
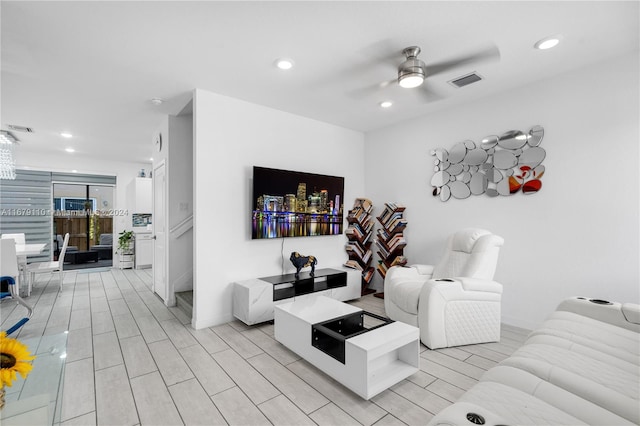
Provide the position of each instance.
(499, 165)
(300, 262)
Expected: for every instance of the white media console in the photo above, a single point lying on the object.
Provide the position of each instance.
(254, 300)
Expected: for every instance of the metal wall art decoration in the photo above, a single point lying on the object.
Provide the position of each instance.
(499, 165)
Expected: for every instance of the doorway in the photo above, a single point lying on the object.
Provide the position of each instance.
(160, 282)
(85, 211)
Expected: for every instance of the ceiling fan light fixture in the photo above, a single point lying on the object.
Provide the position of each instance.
(413, 71)
(409, 81)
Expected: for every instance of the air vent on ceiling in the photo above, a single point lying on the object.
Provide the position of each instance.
(20, 128)
(466, 80)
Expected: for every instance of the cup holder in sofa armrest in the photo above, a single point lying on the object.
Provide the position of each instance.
(631, 312)
(600, 302)
(467, 413)
(475, 418)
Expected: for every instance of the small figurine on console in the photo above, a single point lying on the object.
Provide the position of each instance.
(300, 262)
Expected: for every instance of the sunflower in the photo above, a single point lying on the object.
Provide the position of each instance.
(13, 355)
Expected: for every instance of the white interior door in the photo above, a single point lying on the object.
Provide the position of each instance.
(159, 232)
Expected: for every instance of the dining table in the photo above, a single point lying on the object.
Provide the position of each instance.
(32, 249)
(22, 251)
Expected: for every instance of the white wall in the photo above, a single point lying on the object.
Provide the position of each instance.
(231, 136)
(579, 234)
(124, 172)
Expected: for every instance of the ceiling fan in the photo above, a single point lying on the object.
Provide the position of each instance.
(413, 72)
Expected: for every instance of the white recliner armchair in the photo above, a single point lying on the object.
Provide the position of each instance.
(455, 302)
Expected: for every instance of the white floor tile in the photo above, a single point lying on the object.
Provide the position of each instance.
(210, 375)
(281, 411)
(243, 346)
(237, 409)
(78, 396)
(297, 390)
(257, 388)
(332, 415)
(153, 401)
(194, 405)
(114, 400)
(106, 351)
(170, 364)
(137, 357)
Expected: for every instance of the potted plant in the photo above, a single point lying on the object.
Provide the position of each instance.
(124, 242)
(125, 251)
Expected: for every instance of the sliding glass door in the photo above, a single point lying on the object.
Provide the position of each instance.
(86, 213)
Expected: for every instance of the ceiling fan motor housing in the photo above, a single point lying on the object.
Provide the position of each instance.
(412, 65)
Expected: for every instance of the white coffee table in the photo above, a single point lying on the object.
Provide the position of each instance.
(374, 360)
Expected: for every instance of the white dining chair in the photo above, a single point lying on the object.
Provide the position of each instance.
(9, 272)
(52, 266)
(19, 238)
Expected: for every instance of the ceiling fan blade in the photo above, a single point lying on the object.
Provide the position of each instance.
(426, 92)
(378, 58)
(487, 54)
(384, 51)
(370, 90)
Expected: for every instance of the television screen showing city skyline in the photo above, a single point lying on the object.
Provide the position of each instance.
(295, 204)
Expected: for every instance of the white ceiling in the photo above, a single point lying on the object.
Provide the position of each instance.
(91, 68)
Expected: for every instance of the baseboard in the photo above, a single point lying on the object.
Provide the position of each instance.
(527, 325)
(212, 322)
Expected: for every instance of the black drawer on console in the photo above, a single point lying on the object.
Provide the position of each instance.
(330, 336)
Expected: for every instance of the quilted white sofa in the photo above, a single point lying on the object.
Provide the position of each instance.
(582, 366)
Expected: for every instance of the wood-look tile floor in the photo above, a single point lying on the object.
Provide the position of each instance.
(131, 360)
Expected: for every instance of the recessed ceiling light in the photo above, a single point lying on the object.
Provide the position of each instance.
(74, 171)
(151, 159)
(284, 63)
(385, 104)
(66, 135)
(547, 43)
(157, 101)
(70, 149)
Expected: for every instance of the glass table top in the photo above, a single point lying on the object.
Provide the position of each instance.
(37, 400)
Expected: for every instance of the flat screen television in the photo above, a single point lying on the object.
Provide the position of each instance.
(295, 204)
